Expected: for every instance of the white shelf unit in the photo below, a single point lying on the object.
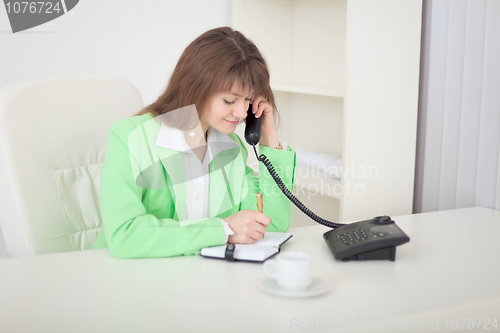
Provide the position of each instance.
(345, 74)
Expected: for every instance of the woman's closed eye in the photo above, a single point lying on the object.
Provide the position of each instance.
(232, 102)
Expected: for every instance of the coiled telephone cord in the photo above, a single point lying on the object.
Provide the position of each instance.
(290, 196)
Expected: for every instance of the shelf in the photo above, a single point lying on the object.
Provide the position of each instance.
(326, 90)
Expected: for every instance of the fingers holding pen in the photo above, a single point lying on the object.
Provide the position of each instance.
(248, 226)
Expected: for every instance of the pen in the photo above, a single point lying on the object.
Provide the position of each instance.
(260, 204)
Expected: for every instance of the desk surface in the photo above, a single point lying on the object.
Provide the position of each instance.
(449, 269)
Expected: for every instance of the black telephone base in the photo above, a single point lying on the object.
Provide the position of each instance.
(387, 253)
(374, 239)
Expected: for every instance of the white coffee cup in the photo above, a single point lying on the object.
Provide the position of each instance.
(292, 270)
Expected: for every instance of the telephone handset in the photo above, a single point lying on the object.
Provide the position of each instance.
(364, 240)
(252, 128)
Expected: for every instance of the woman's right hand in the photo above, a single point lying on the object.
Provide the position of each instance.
(248, 226)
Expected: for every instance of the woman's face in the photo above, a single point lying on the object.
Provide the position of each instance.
(224, 111)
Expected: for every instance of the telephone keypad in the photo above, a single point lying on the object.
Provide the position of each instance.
(353, 237)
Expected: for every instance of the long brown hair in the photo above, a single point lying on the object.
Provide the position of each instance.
(211, 64)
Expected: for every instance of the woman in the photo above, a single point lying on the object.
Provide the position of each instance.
(175, 179)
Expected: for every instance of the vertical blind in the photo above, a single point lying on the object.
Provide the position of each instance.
(458, 152)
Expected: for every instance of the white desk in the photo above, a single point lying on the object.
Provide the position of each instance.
(449, 269)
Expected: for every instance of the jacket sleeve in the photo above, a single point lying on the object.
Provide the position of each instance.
(276, 205)
(130, 230)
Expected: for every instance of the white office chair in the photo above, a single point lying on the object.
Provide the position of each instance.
(52, 138)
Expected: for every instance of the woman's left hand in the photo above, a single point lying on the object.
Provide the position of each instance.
(262, 108)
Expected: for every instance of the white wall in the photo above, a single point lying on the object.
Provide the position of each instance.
(137, 40)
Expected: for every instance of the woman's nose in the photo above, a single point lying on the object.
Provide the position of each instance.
(241, 111)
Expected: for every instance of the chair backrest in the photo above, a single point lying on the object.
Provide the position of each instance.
(52, 139)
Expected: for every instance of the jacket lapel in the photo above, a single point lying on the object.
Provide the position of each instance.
(152, 157)
(173, 162)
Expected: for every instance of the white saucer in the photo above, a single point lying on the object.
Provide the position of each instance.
(317, 287)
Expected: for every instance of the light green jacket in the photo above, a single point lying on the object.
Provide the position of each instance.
(143, 193)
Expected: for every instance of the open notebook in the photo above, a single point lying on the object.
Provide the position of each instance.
(258, 251)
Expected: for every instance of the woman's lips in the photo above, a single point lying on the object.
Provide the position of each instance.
(236, 122)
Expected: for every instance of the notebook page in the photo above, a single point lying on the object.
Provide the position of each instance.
(273, 238)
